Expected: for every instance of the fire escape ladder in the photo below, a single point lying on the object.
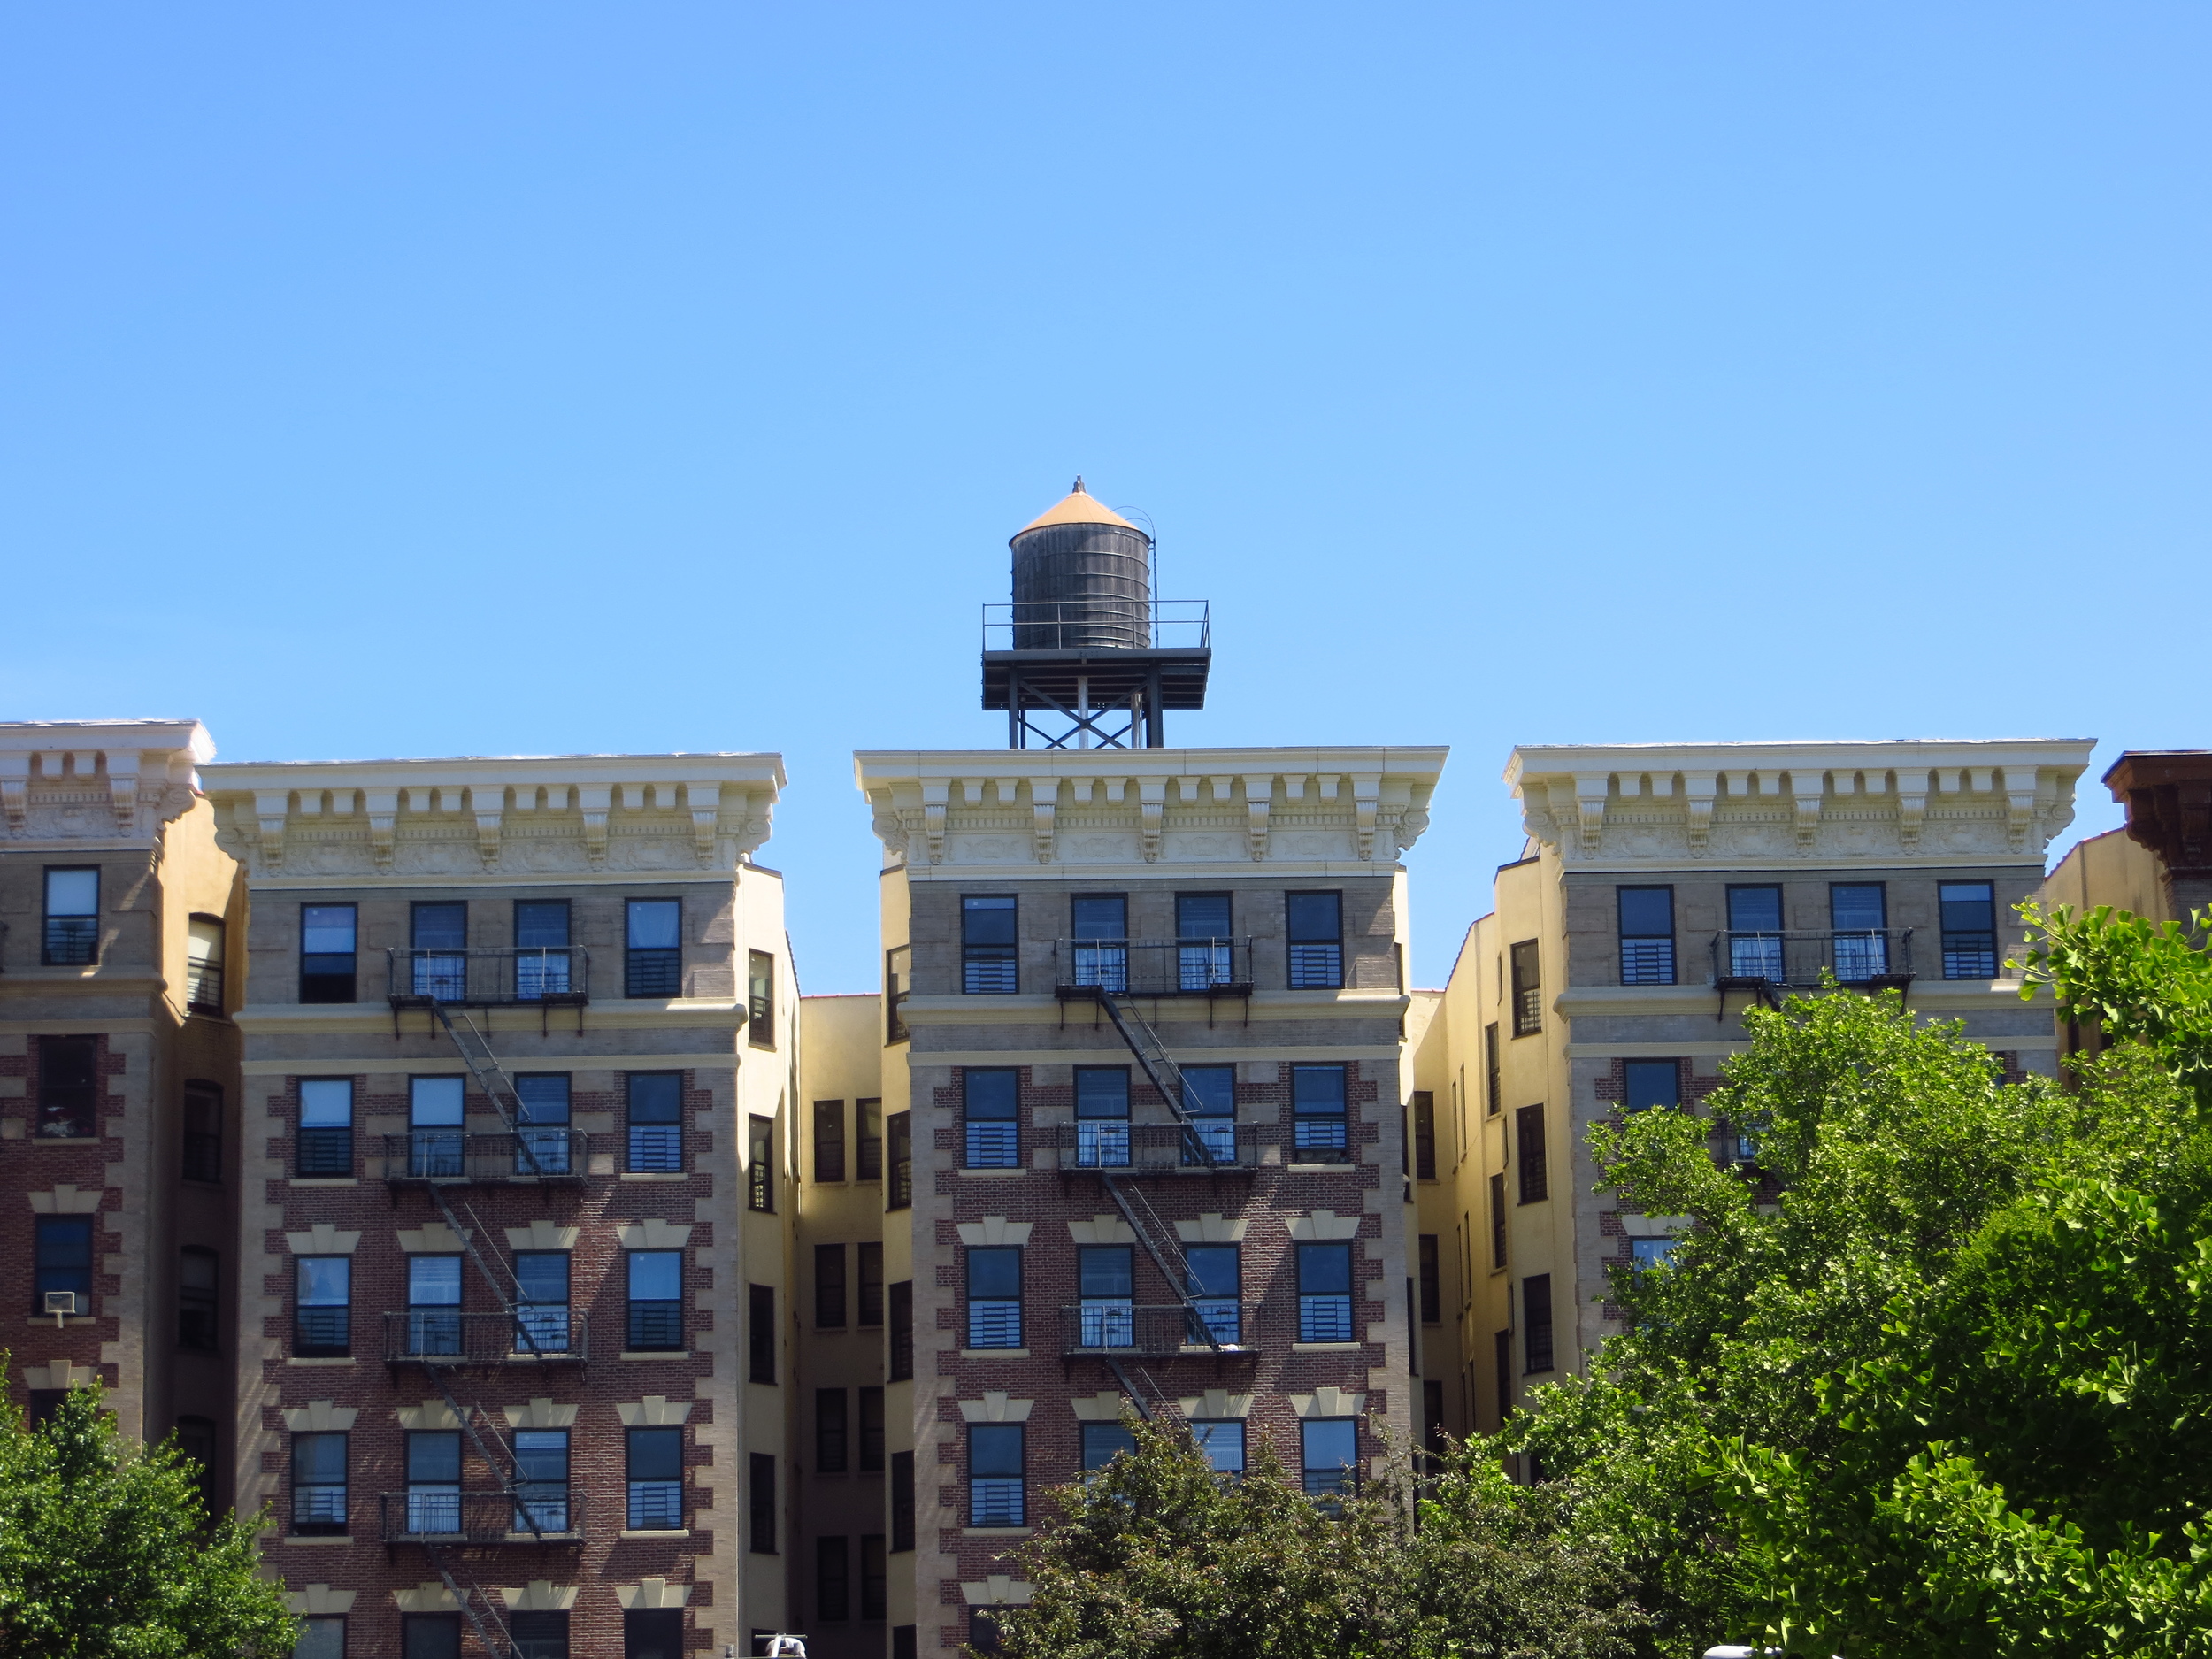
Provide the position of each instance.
(491, 1077)
(1154, 1407)
(1158, 1065)
(1161, 1245)
(495, 1638)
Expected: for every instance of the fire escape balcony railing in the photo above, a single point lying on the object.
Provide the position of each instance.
(1082, 968)
(533, 1334)
(1876, 957)
(1100, 1328)
(1119, 1148)
(523, 1516)
(545, 976)
(527, 1155)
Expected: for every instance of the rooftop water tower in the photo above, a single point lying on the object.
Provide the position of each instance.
(1085, 657)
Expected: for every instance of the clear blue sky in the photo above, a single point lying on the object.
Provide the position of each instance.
(414, 380)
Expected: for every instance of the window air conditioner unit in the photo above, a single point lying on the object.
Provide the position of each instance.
(61, 1301)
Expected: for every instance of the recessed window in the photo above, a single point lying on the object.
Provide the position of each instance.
(543, 963)
(1102, 1117)
(653, 1632)
(1969, 929)
(1646, 921)
(1317, 1107)
(760, 1164)
(1102, 1442)
(433, 1481)
(989, 965)
(203, 1143)
(1210, 1099)
(901, 1500)
(68, 1088)
(832, 1579)
(329, 957)
(1648, 1083)
(996, 1497)
(994, 1296)
(1528, 1139)
(1756, 948)
(322, 1311)
(326, 1131)
(73, 917)
(760, 999)
(541, 1293)
(539, 1635)
(898, 1142)
(871, 1422)
(832, 1437)
(1106, 1282)
(1098, 932)
(61, 1265)
(318, 1486)
(1432, 1280)
(437, 939)
(1204, 951)
(655, 1100)
(1324, 1292)
(760, 1333)
(1536, 1322)
(1314, 933)
(544, 1144)
(1528, 990)
(898, 984)
(1215, 1283)
(655, 1280)
(321, 1637)
(203, 964)
(993, 1128)
(868, 1140)
(1221, 1441)
(656, 1475)
(433, 1305)
(199, 1281)
(829, 1286)
(875, 1578)
(1649, 1253)
(899, 1327)
(761, 1501)
(541, 1480)
(1424, 1135)
(1858, 913)
(829, 1140)
(1494, 1091)
(430, 1636)
(1329, 1455)
(652, 961)
(1497, 1221)
(871, 1255)
(437, 1127)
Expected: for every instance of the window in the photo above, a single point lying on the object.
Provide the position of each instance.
(995, 1496)
(430, 1636)
(1216, 1283)
(1102, 1117)
(1494, 1088)
(1857, 915)
(1203, 949)
(69, 1089)
(993, 1140)
(322, 1309)
(1646, 918)
(1648, 1253)
(905, 1643)
(203, 1144)
(898, 983)
(830, 1432)
(760, 999)
(1969, 929)
(542, 1134)
(1221, 1440)
(539, 1635)
(1316, 1095)
(1497, 1220)
(433, 1480)
(833, 1580)
(901, 1500)
(871, 1253)
(657, 1301)
(195, 1439)
(318, 1486)
(983, 1632)
(1328, 1455)
(875, 1578)
(434, 1304)
(1102, 1442)
(761, 1492)
(326, 1142)
(197, 1278)
(988, 966)
(62, 1262)
(760, 1164)
(994, 1296)
(436, 1128)
(1648, 1083)
(868, 1140)
(653, 1632)
(829, 1141)
(760, 1334)
(203, 964)
(1755, 934)
(871, 1426)
(542, 954)
(321, 1637)
(656, 1474)
(655, 1100)
(1210, 1098)
(1431, 1281)
(1528, 990)
(541, 1480)
(1424, 1135)
(327, 953)
(1098, 929)
(652, 961)
(73, 917)
(1528, 1144)
(1106, 1283)
(898, 1143)
(829, 1286)
(438, 937)
(1313, 926)
(1324, 1292)
(1536, 1322)
(902, 1331)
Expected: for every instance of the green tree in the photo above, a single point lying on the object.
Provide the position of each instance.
(1155, 1556)
(106, 1551)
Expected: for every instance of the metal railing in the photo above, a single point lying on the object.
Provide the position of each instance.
(1800, 958)
(529, 1154)
(1043, 623)
(533, 1335)
(1124, 1147)
(523, 1516)
(555, 975)
(1153, 967)
(1155, 1332)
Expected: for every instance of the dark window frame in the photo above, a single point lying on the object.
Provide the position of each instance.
(1528, 987)
(332, 1337)
(990, 967)
(899, 1331)
(830, 1287)
(898, 984)
(983, 1144)
(1967, 951)
(829, 1142)
(1631, 1070)
(1530, 1164)
(993, 1321)
(69, 947)
(902, 1502)
(199, 1310)
(1423, 1134)
(761, 1344)
(1498, 1229)
(200, 1148)
(203, 976)
(760, 1506)
(325, 1151)
(898, 1160)
(874, 1425)
(651, 973)
(833, 1431)
(1318, 1322)
(868, 1148)
(1493, 1072)
(70, 1088)
(1431, 1279)
(1538, 1352)
(652, 1145)
(323, 1525)
(988, 1461)
(760, 1164)
(868, 1274)
(322, 985)
(1649, 965)
(760, 998)
(1313, 962)
(832, 1579)
(651, 1325)
(52, 1237)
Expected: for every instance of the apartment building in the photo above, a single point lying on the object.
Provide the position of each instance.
(518, 1063)
(119, 1078)
(1666, 889)
(1143, 1115)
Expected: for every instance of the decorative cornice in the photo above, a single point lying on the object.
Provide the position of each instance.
(97, 780)
(2167, 794)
